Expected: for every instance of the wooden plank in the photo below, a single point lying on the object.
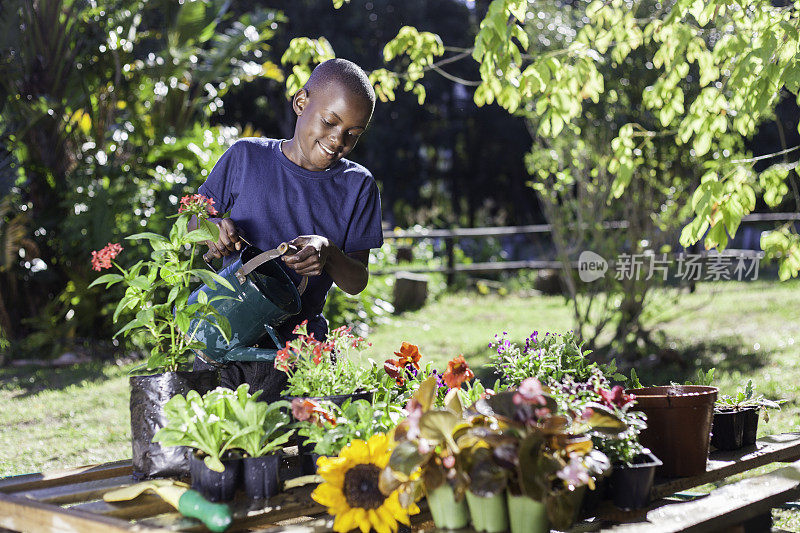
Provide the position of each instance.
(724, 507)
(60, 477)
(77, 492)
(143, 506)
(291, 504)
(774, 448)
(21, 514)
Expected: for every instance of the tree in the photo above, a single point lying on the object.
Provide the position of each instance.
(104, 108)
(713, 72)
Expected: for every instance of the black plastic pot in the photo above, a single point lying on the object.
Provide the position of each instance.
(216, 486)
(750, 426)
(338, 399)
(308, 459)
(630, 485)
(148, 396)
(261, 476)
(728, 428)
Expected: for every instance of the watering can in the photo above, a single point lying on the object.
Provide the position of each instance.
(264, 297)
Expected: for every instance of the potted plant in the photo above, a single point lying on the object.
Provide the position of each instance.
(200, 423)
(735, 422)
(324, 370)
(424, 458)
(678, 425)
(546, 455)
(262, 432)
(550, 358)
(328, 427)
(157, 294)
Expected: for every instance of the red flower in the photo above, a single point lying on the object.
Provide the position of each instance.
(615, 397)
(197, 204)
(308, 409)
(457, 373)
(396, 371)
(408, 355)
(102, 259)
(301, 328)
(284, 359)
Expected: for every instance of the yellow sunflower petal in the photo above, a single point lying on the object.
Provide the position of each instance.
(360, 519)
(378, 523)
(357, 452)
(328, 495)
(392, 504)
(377, 445)
(333, 471)
(386, 517)
(331, 464)
(345, 521)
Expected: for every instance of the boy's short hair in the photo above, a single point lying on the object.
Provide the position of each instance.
(345, 72)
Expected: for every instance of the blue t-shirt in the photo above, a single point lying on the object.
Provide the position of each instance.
(272, 200)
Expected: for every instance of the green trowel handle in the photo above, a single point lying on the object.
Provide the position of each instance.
(216, 516)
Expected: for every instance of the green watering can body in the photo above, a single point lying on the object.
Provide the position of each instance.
(263, 298)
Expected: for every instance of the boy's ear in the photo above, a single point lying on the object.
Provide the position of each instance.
(299, 101)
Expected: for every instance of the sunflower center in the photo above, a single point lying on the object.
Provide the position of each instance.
(361, 487)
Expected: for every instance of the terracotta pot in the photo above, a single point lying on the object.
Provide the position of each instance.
(678, 426)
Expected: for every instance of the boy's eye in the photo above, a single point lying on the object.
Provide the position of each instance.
(324, 121)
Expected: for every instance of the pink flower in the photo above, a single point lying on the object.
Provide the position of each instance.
(102, 259)
(414, 410)
(449, 461)
(615, 397)
(574, 473)
(197, 204)
(530, 391)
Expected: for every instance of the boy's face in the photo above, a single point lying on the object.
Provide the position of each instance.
(329, 123)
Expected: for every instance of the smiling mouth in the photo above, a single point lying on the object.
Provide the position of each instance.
(327, 150)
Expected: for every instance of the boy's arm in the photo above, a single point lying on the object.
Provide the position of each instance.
(349, 271)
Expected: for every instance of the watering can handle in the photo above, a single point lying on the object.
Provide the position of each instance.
(269, 255)
(262, 258)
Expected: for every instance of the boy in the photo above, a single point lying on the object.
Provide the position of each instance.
(303, 191)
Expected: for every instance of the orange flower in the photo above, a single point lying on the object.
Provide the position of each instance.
(457, 372)
(408, 354)
(308, 409)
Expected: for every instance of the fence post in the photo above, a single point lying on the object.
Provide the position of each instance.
(451, 261)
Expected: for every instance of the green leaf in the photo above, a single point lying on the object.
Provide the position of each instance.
(110, 279)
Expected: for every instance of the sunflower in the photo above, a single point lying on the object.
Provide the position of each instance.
(350, 491)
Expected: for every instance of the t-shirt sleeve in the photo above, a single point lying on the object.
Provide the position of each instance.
(365, 229)
(223, 181)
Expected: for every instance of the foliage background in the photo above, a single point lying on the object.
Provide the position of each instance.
(628, 109)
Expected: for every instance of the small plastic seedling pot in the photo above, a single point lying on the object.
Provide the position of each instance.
(630, 486)
(727, 429)
(750, 426)
(261, 476)
(216, 486)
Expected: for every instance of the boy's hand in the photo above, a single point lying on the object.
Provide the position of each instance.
(228, 242)
(311, 255)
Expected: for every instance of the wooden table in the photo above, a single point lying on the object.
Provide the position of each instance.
(71, 501)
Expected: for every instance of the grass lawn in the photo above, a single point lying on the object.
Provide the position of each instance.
(79, 415)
